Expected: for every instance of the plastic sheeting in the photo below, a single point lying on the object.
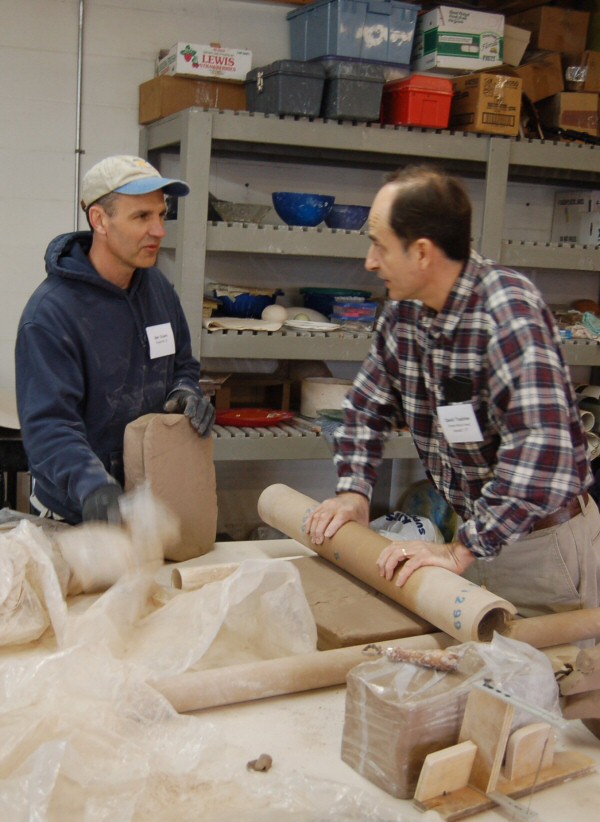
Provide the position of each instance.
(85, 736)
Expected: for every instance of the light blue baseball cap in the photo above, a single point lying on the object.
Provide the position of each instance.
(126, 174)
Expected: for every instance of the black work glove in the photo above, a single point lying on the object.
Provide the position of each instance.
(200, 410)
(102, 505)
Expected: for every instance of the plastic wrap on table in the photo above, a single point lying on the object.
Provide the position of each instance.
(398, 713)
(86, 736)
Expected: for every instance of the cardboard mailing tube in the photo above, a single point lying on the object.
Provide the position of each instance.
(555, 629)
(195, 690)
(458, 607)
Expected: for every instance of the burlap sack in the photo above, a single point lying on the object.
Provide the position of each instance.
(165, 451)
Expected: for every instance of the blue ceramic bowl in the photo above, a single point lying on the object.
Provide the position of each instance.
(302, 209)
(348, 217)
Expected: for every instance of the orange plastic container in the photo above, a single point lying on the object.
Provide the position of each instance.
(418, 100)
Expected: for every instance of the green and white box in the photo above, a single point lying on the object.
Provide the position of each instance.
(449, 39)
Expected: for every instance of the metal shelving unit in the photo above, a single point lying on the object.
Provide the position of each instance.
(198, 135)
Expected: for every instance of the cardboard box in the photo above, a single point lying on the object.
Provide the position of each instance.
(542, 75)
(162, 96)
(582, 71)
(486, 103)
(449, 39)
(571, 110)
(554, 28)
(191, 60)
(576, 217)
(515, 44)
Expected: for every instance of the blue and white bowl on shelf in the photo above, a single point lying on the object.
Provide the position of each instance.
(348, 217)
(298, 209)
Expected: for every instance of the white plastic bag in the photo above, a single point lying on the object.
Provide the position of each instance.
(403, 527)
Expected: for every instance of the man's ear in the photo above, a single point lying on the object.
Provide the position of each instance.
(423, 249)
(97, 218)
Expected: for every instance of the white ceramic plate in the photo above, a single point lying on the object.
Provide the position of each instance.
(306, 325)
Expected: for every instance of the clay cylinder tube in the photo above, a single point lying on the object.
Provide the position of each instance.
(556, 629)
(195, 690)
(458, 607)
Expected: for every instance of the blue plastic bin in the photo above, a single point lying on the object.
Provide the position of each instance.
(381, 30)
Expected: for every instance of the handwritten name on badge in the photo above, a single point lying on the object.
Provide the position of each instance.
(161, 339)
(459, 423)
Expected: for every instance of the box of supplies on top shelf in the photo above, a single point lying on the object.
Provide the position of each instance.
(576, 217)
(191, 60)
(380, 30)
(449, 39)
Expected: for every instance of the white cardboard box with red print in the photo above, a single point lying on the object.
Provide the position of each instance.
(212, 60)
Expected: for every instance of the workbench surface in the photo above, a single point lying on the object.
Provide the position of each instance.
(303, 733)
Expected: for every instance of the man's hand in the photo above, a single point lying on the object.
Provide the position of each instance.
(199, 409)
(416, 553)
(102, 505)
(329, 516)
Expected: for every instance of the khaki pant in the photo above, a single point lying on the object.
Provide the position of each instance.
(554, 569)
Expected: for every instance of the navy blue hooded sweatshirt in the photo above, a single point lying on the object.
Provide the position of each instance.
(83, 370)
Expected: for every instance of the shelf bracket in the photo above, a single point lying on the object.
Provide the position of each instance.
(490, 243)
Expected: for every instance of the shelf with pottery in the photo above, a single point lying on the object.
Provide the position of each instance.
(252, 238)
(196, 136)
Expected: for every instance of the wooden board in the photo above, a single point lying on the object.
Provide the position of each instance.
(529, 748)
(350, 612)
(469, 801)
(486, 722)
(446, 770)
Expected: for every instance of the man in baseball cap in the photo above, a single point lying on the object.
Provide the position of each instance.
(102, 341)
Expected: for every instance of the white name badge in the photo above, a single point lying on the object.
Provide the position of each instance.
(459, 423)
(161, 339)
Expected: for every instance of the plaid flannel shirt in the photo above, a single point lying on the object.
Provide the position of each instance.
(496, 333)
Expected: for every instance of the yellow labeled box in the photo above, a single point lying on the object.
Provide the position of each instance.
(486, 103)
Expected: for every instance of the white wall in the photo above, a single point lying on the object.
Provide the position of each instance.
(38, 93)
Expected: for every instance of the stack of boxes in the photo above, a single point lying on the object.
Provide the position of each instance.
(367, 61)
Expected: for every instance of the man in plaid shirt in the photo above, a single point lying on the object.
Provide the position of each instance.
(468, 356)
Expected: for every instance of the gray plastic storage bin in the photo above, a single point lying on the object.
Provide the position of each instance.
(352, 91)
(381, 30)
(286, 87)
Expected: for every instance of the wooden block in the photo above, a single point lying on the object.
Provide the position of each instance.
(469, 801)
(577, 682)
(350, 612)
(446, 770)
(582, 706)
(529, 749)
(486, 722)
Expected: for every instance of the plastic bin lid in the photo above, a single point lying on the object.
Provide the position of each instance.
(379, 7)
(420, 82)
(353, 70)
(299, 68)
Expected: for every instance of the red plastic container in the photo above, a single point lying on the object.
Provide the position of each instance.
(418, 100)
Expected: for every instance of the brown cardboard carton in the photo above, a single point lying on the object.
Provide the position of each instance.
(582, 71)
(542, 75)
(516, 41)
(554, 28)
(163, 95)
(486, 103)
(573, 110)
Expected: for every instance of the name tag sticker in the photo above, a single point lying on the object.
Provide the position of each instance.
(459, 423)
(161, 339)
